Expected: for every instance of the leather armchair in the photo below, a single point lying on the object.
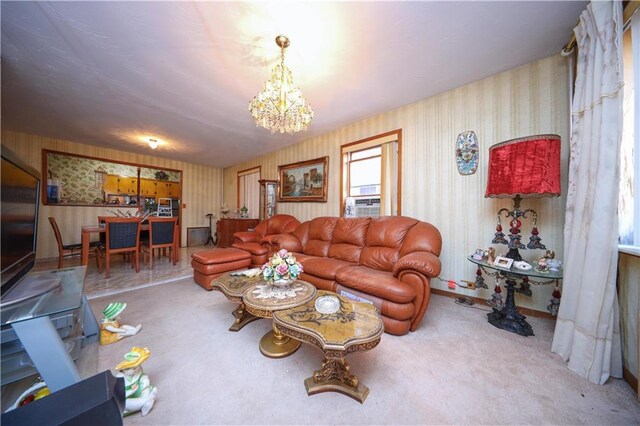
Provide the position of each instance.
(258, 241)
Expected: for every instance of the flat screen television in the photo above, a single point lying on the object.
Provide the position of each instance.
(19, 203)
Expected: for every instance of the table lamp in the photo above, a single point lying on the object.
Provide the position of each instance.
(527, 167)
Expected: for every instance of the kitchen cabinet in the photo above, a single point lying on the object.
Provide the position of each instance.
(168, 189)
(149, 188)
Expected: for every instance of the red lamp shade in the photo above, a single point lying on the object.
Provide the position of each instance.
(529, 167)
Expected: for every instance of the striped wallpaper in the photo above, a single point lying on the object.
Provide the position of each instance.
(201, 188)
(531, 99)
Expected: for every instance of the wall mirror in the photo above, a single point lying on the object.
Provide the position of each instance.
(77, 180)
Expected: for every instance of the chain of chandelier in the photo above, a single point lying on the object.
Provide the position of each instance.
(280, 106)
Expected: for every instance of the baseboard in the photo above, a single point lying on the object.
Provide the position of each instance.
(630, 378)
(524, 311)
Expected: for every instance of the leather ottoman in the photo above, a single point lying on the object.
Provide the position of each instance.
(209, 264)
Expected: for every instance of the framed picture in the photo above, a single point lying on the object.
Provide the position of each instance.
(503, 262)
(304, 181)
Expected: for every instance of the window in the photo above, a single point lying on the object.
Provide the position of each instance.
(249, 191)
(370, 176)
(629, 200)
(364, 172)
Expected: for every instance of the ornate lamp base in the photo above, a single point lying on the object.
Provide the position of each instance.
(274, 344)
(508, 317)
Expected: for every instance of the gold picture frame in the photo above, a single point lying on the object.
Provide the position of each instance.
(304, 181)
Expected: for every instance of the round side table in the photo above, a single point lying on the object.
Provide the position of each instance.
(263, 299)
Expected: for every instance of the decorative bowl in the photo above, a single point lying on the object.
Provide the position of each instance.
(327, 304)
(282, 282)
(522, 265)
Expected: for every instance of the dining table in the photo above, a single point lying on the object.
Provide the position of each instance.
(87, 230)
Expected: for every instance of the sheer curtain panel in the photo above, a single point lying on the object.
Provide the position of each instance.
(587, 328)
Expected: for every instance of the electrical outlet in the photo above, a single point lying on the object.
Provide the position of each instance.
(470, 284)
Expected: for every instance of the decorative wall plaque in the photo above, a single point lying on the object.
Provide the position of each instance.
(467, 153)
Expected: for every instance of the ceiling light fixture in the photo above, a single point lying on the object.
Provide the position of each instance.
(153, 143)
(280, 107)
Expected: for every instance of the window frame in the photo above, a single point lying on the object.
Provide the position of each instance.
(370, 141)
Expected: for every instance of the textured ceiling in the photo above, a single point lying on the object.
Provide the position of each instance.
(112, 73)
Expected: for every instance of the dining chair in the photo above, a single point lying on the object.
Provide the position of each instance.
(162, 235)
(68, 250)
(122, 236)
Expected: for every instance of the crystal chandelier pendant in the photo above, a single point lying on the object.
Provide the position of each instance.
(280, 107)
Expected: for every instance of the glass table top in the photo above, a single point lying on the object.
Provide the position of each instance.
(533, 272)
(67, 296)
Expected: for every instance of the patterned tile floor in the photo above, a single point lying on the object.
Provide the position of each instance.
(124, 278)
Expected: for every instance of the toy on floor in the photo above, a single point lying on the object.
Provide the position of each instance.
(110, 329)
(139, 392)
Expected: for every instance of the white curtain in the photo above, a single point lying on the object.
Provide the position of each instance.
(587, 328)
(389, 179)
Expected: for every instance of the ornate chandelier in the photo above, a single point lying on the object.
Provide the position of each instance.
(280, 107)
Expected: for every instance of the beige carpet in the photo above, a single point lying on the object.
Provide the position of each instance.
(456, 369)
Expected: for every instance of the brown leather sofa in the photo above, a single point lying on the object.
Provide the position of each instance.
(257, 242)
(388, 261)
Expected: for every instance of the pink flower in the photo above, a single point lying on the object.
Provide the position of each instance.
(282, 269)
(283, 253)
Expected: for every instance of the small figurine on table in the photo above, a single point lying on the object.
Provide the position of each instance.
(110, 329)
(140, 394)
(542, 265)
(491, 255)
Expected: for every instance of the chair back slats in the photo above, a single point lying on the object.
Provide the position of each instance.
(162, 232)
(56, 231)
(122, 233)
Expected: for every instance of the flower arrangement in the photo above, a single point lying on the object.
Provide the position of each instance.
(281, 267)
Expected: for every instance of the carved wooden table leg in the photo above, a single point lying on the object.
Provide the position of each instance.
(335, 376)
(242, 318)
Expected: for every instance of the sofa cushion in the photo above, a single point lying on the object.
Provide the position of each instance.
(253, 248)
(383, 241)
(219, 255)
(378, 283)
(348, 238)
(324, 267)
(319, 236)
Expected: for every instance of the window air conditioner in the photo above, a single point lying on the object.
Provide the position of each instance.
(368, 207)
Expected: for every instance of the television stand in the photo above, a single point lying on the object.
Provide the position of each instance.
(50, 328)
(28, 287)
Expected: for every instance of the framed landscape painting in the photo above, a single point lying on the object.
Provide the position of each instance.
(304, 181)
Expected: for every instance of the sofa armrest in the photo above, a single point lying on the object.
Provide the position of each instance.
(247, 237)
(420, 261)
(283, 241)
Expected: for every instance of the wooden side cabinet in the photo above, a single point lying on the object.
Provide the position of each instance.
(225, 228)
(268, 191)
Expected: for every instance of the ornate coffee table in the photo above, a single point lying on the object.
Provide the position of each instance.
(263, 299)
(352, 327)
(233, 287)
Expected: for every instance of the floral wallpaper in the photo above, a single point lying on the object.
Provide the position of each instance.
(77, 178)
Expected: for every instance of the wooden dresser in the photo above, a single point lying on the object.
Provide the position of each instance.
(225, 228)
